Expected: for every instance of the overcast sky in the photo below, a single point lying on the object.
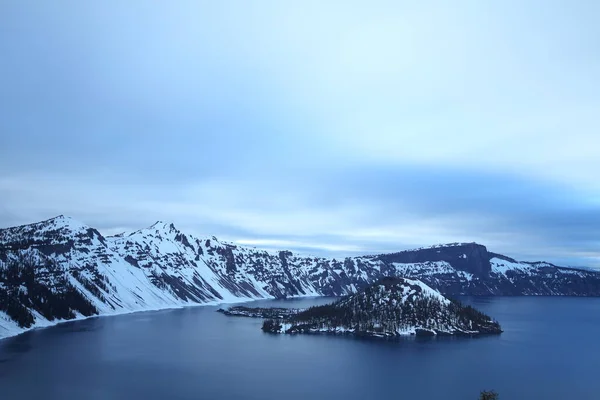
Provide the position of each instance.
(328, 127)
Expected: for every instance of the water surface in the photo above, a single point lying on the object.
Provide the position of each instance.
(550, 350)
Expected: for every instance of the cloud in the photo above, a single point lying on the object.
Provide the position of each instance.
(322, 126)
(351, 212)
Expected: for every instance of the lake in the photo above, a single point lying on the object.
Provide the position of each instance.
(550, 350)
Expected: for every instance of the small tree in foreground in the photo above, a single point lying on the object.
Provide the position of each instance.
(491, 395)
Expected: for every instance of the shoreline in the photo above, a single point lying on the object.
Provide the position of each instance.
(241, 300)
(48, 324)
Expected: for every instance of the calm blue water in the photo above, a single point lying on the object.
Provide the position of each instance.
(550, 350)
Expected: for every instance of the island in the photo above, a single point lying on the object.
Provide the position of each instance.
(258, 312)
(392, 307)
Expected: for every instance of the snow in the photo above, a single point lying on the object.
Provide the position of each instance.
(130, 289)
(172, 269)
(390, 294)
(440, 246)
(8, 327)
(160, 251)
(429, 268)
(428, 291)
(500, 266)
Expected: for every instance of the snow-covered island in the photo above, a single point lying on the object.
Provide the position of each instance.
(391, 307)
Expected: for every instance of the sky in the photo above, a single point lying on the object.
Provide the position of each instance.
(325, 127)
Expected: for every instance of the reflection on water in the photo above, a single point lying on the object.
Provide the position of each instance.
(549, 350)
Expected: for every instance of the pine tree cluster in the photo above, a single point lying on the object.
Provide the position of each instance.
(392, 306)
(21, 290)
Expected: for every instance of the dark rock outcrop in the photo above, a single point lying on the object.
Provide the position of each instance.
(469, 257)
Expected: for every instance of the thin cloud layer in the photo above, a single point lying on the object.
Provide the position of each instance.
(338, 128)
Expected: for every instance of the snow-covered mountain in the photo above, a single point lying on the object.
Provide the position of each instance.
(390, 307)
(60, 269)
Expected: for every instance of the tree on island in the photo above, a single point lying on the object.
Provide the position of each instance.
(272, 326)
(489, 395)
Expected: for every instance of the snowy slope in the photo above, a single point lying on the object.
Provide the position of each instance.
(82, 253)
(112, 283)
(74, 271)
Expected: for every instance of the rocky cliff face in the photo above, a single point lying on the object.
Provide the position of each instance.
(80, 272)
(469, 257)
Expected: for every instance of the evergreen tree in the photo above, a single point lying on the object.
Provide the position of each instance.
(488, 395)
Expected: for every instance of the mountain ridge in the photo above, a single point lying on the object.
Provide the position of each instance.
(162, 267)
